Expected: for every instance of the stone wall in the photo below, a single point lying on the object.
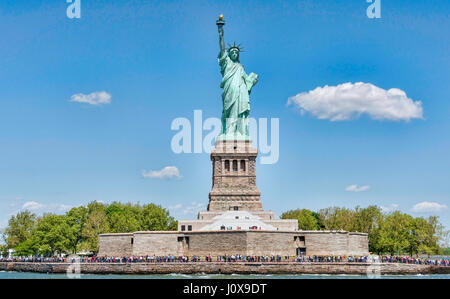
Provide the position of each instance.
(116, 245)
(270, 243)
(156, 243)
(283, 243)
(358, 243)
(330, 243)
(229, 268)
(217, 243)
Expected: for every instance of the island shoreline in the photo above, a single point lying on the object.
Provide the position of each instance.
(227, 268)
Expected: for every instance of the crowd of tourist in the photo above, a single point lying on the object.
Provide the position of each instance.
(235, 258)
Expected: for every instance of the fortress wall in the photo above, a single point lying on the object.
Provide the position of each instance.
(217, 243)
(358, 244)
(336, 243)
(115, 245)
(233, 242)
(156, 243)
(268, 243)
(332, 243)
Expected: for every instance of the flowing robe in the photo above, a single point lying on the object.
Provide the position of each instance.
(237, 86)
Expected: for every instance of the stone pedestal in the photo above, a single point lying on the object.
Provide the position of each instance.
(234, 177)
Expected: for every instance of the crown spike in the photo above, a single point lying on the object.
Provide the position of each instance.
(236, 46)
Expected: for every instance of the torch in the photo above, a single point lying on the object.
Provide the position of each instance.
(220, 22)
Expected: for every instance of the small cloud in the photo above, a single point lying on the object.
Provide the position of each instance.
(32, 206)
(60, 207)
(36, 207)
(165, 173)
(349, 101)
(356, 188)
(428, 207)
(389, 208)
(95, 98)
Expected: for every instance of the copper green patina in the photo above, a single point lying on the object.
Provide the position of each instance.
(237, 86)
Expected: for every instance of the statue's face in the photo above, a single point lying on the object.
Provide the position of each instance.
(234, 54)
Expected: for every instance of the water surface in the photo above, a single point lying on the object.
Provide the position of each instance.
(27, 275)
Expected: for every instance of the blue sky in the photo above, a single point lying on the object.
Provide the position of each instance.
(158, 61)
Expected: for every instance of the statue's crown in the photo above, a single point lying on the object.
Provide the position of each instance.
(234, 46)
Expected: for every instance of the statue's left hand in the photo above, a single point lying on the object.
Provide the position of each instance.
(254, 78)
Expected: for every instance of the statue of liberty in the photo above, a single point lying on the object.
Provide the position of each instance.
(237, 86)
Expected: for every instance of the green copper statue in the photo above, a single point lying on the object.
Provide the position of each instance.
(237, 86)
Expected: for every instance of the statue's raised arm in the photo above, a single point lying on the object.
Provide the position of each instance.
(237, 86)
(220, 24)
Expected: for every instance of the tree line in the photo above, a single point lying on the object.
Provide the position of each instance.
(78, 230)
(392, 233)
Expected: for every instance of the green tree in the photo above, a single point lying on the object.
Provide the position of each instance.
(156, 218)
(367, 221)
(335, 218)
(76, 219)
(319, 221)
(27, 248)
(19, 228)
(306, 219)
(3, 250)
(425, 236)
(96, 223)
(395, 232)
(52, 235)
(123, 218)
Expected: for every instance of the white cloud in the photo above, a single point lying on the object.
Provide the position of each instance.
(32, 206)
(389, 208)
(428, 207)
(95, 98)
(349, 101)
(165, 173)
(356, 188)
(36, 207)
(60, 207)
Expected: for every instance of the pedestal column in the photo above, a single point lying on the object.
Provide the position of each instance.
(234, 177)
